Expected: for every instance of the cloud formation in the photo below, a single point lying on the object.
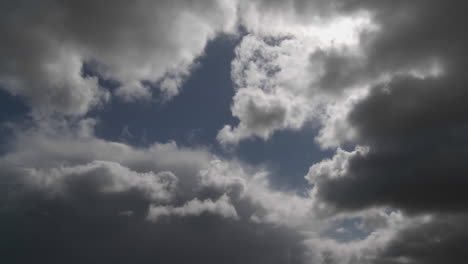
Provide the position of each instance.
(159, 203)
(408, 121)
(164, 199)
(276, 81)
(383, 82)
(47, 44)
(409, 128)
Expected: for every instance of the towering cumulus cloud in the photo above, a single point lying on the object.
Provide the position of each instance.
(381, 83)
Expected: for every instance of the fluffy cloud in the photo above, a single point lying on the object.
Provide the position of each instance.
(306, 51)
(103, 176)
(277, 76)
(47, 43)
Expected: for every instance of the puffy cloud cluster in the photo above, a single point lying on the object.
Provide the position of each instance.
(394, 92)
(277, 76)
(46, 45)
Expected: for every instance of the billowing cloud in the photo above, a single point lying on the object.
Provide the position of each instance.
(413, 126)
(46, 45)
(314, 49)
(278, 77)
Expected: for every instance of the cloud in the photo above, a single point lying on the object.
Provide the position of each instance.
(438, 240)
(312, 50)
(409, 128)
(92, 227)
(102, 176)
(383, 81)
(416, 148)
(48, 43)
(195, 207)
(158, 203)
(161, 202)
(279, 73)
(394, 98)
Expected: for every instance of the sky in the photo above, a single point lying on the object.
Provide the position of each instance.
(233, 131)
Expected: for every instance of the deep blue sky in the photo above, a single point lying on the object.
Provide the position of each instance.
(191, 118)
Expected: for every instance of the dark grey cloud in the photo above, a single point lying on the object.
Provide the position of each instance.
(413, 124)
(70, 197)
(341, 69)
(416, 133)
(410, 35)
(89, 225)
(440, 240)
